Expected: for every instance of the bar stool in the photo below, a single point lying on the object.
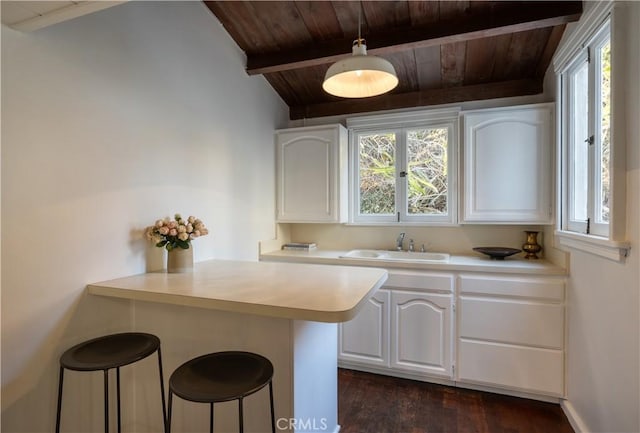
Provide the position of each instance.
(105, 353)
(219, 377)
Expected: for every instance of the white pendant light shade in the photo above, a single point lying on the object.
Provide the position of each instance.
(360, 76)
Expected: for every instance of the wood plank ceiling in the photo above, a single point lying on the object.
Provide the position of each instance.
(443, 51)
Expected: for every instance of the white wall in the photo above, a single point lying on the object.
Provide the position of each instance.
(456, 240)
(110, 121)
(604, 304)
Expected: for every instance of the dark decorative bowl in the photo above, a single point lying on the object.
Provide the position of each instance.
(497, 253)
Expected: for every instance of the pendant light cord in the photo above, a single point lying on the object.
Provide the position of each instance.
(359, 23)
(360, 40)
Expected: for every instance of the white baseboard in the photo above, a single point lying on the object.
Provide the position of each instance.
(574, 419)
(385, 371)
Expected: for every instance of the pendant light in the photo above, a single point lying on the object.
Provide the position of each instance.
(360, 76)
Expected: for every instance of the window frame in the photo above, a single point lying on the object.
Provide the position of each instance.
(569, 223)
(603, 36)
(569, 141)
(612, 245)
(401, 123)
(354, 175)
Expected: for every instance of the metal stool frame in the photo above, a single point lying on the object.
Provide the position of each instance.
(66, 363)
(212, 399)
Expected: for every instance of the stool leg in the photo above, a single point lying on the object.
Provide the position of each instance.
(106, 401)
(240, 415)
(167, 425)
(273, 416)
(164, 405)
(211, 419)
(118, 392)
(60, 380)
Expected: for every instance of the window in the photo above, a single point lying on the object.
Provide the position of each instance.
(403, 168)
(592, 190)
(586, 136)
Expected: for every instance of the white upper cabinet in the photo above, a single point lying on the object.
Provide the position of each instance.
(312, 174)
(507, 165)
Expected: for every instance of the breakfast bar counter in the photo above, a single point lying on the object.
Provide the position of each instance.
(303, 292)
(286, 312)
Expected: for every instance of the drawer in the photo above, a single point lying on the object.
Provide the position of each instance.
(539, 288)
(512, 321)
(515, 367)
(420, 280)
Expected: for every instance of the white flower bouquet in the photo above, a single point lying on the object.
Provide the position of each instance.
(176, 233)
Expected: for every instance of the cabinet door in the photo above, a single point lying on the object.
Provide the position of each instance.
(421, 326)
(312, 174)
(365, 339)
(507, 165)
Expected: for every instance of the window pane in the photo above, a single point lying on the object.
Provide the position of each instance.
(605, 131)
(377, 173)
(579, 152)
(427, 171)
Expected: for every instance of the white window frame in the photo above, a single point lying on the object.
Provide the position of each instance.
(569, 223)
(400, 123)
(607, 239)
(597, 227)
(590, 138)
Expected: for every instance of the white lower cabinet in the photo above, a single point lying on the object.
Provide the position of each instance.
(500, 331)
(405, 327)
(511, 333)
(421, 326)
(515, 367)
(365, 339)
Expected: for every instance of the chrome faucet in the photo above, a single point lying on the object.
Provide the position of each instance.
(399, 241)
(411, 246)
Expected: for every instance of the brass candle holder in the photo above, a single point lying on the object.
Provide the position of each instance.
(531, 246)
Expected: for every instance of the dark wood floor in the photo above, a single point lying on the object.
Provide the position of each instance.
(369, 403)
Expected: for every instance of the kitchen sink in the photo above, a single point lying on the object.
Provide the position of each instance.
(397, 256)
(365, 254)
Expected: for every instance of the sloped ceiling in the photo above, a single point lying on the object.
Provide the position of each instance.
(443, 51)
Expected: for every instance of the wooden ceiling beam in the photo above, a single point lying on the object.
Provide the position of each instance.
(510, 18)
(422, 98)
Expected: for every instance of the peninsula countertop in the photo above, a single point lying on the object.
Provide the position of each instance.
(311, 292)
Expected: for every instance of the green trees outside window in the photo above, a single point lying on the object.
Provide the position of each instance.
(420, 175)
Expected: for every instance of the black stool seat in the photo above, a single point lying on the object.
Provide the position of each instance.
(219, 377)
(110, 351)
(222, 376)
(105, 353)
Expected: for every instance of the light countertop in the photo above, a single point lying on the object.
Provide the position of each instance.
(511, 265)
(292, 291)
